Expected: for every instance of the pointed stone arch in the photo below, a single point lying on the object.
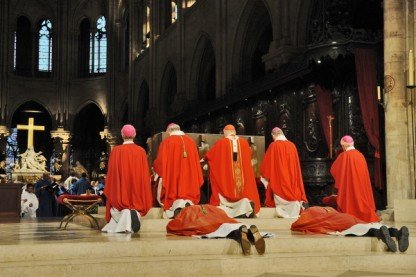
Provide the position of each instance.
(86, 143)
(252, 40)
(168, 89)
(202, 79)
(42, 117)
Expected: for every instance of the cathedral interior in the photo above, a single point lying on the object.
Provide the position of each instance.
(83, 68)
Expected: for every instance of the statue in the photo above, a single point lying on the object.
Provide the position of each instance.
(254, 158)
(31, 161)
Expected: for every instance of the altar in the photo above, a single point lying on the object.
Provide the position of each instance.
(10, 194)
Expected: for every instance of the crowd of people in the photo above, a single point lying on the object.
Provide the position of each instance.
(40, 199)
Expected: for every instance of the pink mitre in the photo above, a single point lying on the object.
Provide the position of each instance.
(170, 125)
(347, 139)
(128, 131)
(276, 129)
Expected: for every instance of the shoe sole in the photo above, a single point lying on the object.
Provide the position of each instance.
(244, 242)
(259, 242)
(135, 222)
(386, 238)
(403, 240)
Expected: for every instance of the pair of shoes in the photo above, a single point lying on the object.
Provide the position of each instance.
(403, 239)
(384, 235)
(135, 222)
(244, 241)
(257, 239)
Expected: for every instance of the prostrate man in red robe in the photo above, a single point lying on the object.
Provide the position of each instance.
(178, 166)
(282, 176)
(211, 222)
(127, 185)
(326, 220)
(352, 180)
(231, 175)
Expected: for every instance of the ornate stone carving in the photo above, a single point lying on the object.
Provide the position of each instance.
(311, 132)
(259, 113)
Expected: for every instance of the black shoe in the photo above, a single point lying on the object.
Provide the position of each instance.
(176, 212)
(135, 222)
(384, 235)
(403, 239)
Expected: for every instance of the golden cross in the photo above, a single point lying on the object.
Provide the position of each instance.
(31, 128)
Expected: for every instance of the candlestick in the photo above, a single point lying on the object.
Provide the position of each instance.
(378, 93)
(411, 73)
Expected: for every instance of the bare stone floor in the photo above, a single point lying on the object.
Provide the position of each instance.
(38, 248)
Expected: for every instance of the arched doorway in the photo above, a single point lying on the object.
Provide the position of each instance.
(87, 145)
(253, 40)
(142, 108)
(168, 89)
(34, 112)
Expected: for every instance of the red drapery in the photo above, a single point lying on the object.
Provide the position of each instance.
(365, 66)
(324, 100)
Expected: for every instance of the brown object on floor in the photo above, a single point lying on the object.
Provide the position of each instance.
(258, 239)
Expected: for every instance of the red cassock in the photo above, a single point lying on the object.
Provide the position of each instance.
(281, 167)
(324, 220)
(198, 220)
(233, 180)
(128, 180)
(355, 195)
(178, 165)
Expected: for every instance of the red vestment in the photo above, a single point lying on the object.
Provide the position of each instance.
(178, 165)
(355, 195)
(324, 220)
(281, 167)
(234, 180)
(198, 220)
(128, 180)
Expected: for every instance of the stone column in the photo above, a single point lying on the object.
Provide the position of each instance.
(64, 137)
(400, 183)
(110, 137)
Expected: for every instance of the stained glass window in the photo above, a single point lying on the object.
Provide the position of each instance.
(98, 48)
(174, 11)
(45, 46)
(146, 27)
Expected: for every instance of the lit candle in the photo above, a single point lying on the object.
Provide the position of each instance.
(378, 93)
(411, 79)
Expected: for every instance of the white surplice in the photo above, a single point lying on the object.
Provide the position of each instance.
(30, 198)
(235, 209)
(120, 221)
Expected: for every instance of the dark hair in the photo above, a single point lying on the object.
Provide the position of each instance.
(84, 174)
(30, 185)
(73, 180)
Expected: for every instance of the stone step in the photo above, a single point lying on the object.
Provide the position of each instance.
(405, 210)
(216, 265)
(159, 245)
(159, 225)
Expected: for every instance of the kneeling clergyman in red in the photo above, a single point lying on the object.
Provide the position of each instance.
(209, 221)
(282, 176)
(352, 180)
(127, 185)
(179, 169)
(326, 220)
(231, 175)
